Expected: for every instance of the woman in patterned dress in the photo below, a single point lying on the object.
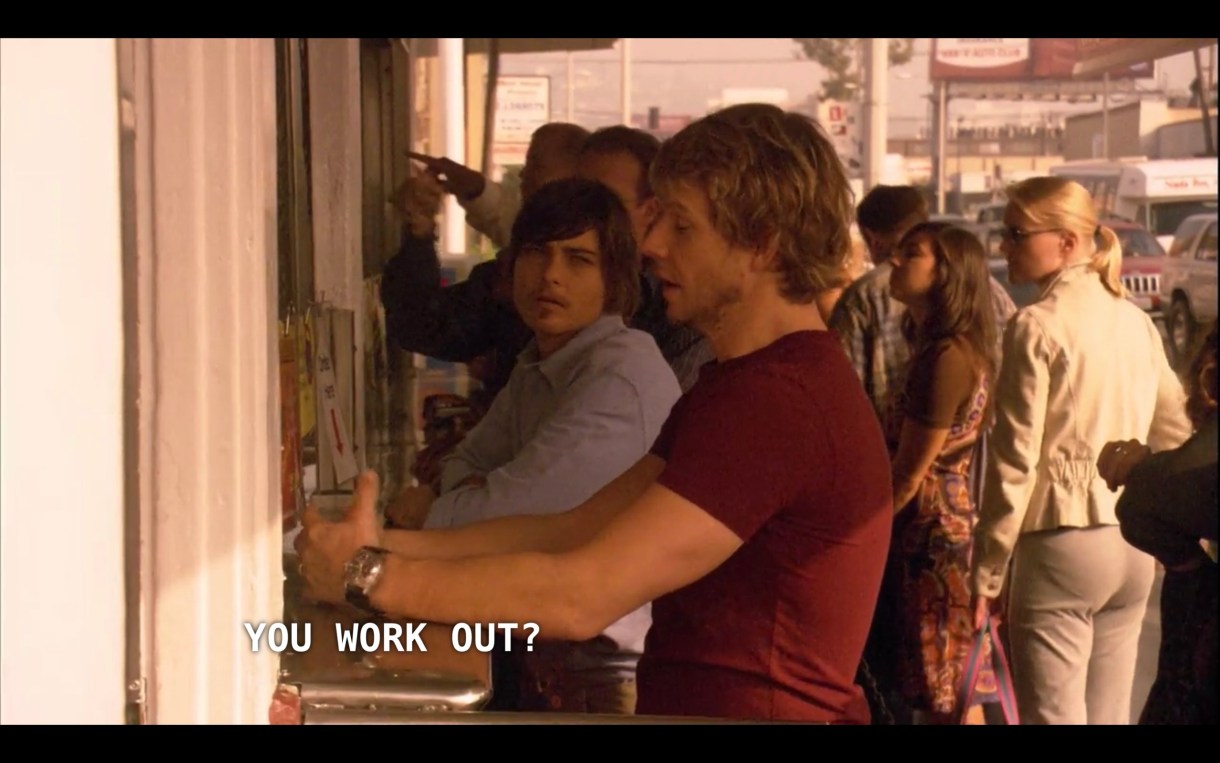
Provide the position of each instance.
(934, 423)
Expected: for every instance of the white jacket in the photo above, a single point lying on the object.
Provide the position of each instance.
(492, 212)
(1081, 368)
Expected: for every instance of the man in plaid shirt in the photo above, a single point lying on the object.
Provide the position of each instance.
(867, 319)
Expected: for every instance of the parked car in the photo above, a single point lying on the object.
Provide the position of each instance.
(960, 221)
(1022, 294)
(989, 225)
(1143, 258)
(1188, 283)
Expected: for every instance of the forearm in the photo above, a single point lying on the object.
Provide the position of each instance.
(491, 213)
(1011, 474)
(547, 478)
(1000, 521)
(552, 533)
(1168, 545)
(918, 445)
(544, 589)
(413, 274)
(544, 534)
(905, 489)
(907, 480)
(1165, 511)
(1015, 446)
(480, 500)
(448, 323)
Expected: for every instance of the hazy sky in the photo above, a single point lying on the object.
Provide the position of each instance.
(681, 75)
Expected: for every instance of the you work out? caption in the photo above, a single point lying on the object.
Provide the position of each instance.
(388, 636)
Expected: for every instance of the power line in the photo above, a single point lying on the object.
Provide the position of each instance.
(667, 62)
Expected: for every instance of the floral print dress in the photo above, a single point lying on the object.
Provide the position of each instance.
(930, 561)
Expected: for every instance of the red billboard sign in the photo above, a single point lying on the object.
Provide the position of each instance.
(1018, 59)
(1097, 54)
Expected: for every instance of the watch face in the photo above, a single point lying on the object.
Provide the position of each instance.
(364, 567)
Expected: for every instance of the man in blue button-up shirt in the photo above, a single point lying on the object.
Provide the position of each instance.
(585, 401)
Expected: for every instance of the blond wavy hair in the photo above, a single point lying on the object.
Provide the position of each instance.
(1062, 204)
(772, 178)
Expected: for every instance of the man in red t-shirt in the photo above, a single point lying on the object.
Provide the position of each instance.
(758, 525)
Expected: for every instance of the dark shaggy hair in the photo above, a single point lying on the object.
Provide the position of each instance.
(959, 305)
(567, 208)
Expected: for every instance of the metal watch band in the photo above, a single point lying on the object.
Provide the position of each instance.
(358, 584)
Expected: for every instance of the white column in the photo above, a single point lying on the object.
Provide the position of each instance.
(450, 52)
(942, 122)
(61, 435)
(875, 112)
(571, 87)
(337, 167)
(209, 416)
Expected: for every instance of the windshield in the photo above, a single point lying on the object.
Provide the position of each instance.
(1139, 243)
(1168, 215)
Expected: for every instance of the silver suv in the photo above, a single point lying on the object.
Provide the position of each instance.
(1188, 284)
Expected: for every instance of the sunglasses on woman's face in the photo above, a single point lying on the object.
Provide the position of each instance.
(1015, 235)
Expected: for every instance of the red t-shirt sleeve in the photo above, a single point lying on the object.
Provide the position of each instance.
(740, 450)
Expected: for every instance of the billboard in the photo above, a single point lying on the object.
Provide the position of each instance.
(1096, 54)
(1019, 59)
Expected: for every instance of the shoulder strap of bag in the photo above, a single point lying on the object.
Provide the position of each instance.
(970, 677)
(1003, 676)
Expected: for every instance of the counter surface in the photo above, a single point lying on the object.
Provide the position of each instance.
(324, 677)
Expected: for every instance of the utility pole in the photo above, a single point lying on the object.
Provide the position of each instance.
(1209, 141)
(626, 94)
(876, 76)
(942, 118)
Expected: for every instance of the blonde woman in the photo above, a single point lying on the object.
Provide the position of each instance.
(1081, 367)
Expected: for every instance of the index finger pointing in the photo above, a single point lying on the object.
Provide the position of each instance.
(428, 160)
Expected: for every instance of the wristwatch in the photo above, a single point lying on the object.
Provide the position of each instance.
(361, 574)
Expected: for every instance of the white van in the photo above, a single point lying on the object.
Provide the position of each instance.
(1158, 194)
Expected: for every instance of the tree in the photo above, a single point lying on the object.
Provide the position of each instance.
(842, 57)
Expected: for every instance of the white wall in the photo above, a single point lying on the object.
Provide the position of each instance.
(209, 418)
(61, 385)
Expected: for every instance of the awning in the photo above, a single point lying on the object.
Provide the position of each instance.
(542, 44)
(1101, 54)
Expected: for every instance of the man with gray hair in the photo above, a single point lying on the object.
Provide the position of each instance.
(867, 319)
(491, 208)
(474, 318)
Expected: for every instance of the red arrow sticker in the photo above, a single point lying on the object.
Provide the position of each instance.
(335, 425)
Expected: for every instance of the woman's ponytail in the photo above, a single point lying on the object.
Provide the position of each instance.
(1107, 261)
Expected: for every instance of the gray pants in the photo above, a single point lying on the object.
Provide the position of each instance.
(1076, 606)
